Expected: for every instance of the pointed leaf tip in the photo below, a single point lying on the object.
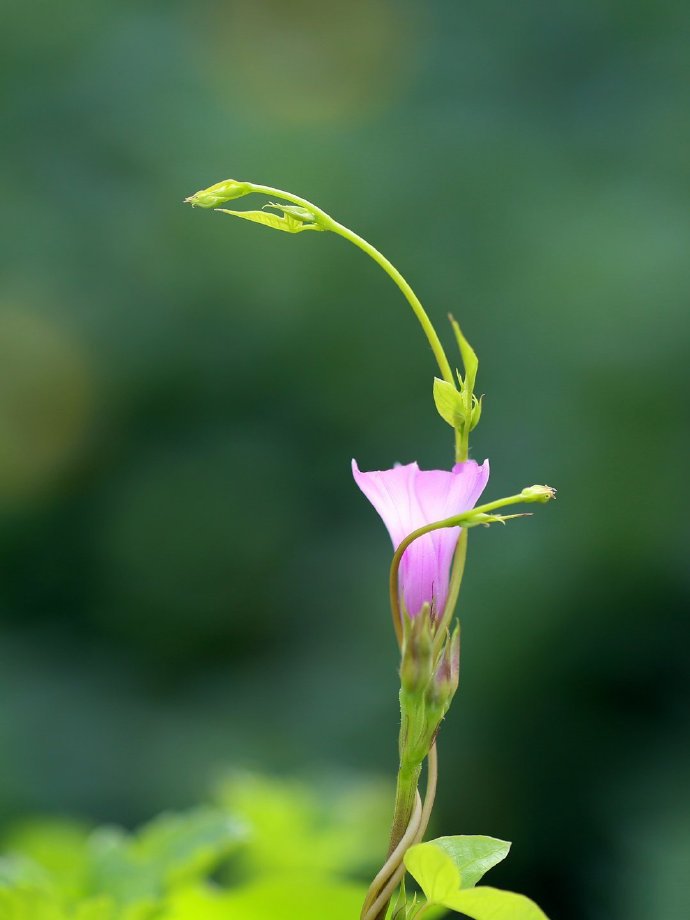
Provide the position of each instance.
(473, 855)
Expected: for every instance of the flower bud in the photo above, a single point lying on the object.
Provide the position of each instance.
(446, 677)
(218, 194)
(538, 494)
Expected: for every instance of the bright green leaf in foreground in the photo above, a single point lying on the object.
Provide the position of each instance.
(279, 898)
(97, 909)
(447, 868)
(29, 904)
(319, 827)
(185, 847)
(172, 850)
(60, 848)
(435, 871)
(22, 871)
(493, 904)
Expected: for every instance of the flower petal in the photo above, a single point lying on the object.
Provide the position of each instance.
(408, 498)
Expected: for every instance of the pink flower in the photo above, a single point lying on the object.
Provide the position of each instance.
(408, 498)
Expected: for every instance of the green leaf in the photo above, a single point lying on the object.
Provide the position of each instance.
(174, 849)
(442, 866)
(60, 848)
(29, 904)
(449, 403)
(288, 222)
(476, 411)
(97, 909)
(437, 874)
(324, 828)
(469, 358)
(493, 904)
(186, 847)
(18, 870)
(304, 898)
(283, 897)
(472, 855)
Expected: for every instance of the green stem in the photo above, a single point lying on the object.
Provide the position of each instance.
(328, 223)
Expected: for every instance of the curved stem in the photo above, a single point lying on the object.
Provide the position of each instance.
(328, 223)
(408, 293)
(391, 865)
(429, 798)
(456, 520)
(391, 874)
(377, 910)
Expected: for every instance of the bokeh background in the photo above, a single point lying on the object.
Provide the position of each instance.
(189, 579)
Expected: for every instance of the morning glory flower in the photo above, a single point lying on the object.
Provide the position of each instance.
(408, 498)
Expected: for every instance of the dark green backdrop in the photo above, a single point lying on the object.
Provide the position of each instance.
(189, 578)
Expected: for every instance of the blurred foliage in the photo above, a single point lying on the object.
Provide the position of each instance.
(58, 870)
(189, 580)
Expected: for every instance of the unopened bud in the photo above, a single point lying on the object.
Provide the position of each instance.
(446, 677)
(218, 194)
(538, 494)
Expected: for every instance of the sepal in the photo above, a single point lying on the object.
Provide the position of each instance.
(416, 661)
(429, 681)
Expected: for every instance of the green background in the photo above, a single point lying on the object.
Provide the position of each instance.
(190, 580)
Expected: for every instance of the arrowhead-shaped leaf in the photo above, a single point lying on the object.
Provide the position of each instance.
(473, 855)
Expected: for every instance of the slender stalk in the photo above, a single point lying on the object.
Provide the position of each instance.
(407, 291)
(457, 572)
(456, 521)
(328, 223)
